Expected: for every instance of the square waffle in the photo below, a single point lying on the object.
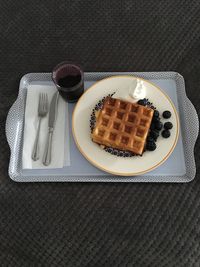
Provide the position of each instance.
(122, 125)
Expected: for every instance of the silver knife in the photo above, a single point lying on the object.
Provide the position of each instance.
(51, 124)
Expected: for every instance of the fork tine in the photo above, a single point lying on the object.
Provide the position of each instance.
(39, 104)
(43, 102)
(45, 99)
(46, 102)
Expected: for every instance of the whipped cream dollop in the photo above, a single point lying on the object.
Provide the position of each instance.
(135, 91)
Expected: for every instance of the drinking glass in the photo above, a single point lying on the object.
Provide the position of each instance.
(69, 80)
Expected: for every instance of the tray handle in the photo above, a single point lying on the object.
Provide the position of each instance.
(13, 127)
(194, 122)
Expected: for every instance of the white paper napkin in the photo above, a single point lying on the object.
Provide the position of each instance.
(30, 128)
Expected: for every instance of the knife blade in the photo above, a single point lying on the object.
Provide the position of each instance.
(51, 125)
(53, 110)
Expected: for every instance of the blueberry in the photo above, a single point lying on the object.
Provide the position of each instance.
(166, 114)
(168, 125)
(156, 119)
(152, 127)
(154, 134)
(151, 146)
(156, 114)
(142, 102)
(150, 139)
(158, 126)
(166, 133)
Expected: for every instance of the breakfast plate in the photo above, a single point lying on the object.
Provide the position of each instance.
(115, 164)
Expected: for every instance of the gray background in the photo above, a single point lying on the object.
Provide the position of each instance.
(98, 224)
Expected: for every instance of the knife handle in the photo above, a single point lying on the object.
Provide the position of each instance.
(35, 153)
(47, 152)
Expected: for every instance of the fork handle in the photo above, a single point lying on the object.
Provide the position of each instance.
(47, 152)
(35, 153)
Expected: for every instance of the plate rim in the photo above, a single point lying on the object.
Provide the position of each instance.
(134, 173)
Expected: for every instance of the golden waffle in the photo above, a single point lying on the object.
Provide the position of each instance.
(122, 125)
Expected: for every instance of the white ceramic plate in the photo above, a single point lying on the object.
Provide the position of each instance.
(111, 163)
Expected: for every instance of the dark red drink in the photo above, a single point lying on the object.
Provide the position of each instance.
(69, 80)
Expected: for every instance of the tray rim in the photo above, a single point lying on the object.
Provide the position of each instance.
(189, 176)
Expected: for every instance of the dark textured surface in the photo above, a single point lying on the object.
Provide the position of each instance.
(98, 224)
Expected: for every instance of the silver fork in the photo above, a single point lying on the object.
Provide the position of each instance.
(42, 112)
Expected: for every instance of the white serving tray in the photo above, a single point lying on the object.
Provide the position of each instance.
(179, 167)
